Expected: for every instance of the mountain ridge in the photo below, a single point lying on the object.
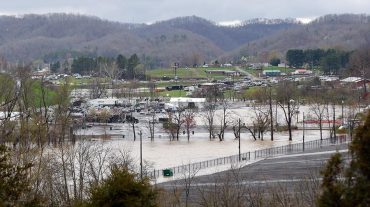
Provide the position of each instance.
(189, 40)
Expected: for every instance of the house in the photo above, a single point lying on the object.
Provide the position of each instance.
(302, 72)
(187, 102)
(354, 82)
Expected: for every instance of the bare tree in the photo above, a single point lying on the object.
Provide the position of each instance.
(360, 64)
(224, 119)
(260, 123)
(265, 96)
(151, 125)
(112, 71)
(189, 121)
(175, 122)
(98, 88)
(209, 118)
(318, 110)
(285, 96)
(9, 97)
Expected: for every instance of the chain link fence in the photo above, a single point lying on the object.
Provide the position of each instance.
(253, 155)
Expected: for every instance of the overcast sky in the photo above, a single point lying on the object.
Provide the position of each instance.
(149, 11)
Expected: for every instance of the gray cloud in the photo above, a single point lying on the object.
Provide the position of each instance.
(142, 11)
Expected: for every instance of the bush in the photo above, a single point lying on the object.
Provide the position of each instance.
(123, 188)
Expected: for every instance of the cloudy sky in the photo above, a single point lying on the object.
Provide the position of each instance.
(148, 11)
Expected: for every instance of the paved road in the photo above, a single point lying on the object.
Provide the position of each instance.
(287, 169)
(250, 76)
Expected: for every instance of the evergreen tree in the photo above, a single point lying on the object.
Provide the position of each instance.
(353, 190)
(84, 65)
(133, 61)
(332, 187)
(54, 67)
(275, 61)
(121, 62)
(123, 188)
(295, 58)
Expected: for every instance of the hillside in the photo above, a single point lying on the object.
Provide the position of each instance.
(229, 37)
(188, 40)
(59, 35)
(346, 32)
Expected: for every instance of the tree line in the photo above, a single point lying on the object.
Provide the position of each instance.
(119, 67)
(330, 60)
(126, 67)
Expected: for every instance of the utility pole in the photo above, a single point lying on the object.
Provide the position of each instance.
(303, 130)
(141, 154)
(342, 112)
(335, 135)
(271, 117)
(239, 128)
(133, 126)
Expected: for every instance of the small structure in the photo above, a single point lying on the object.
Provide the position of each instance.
(354, 82)
(207, 86)
(104, 102)
(271, 73)
(223, 72)
(282, 65)
(188, 102)
(328, 78)
(257, 66)
(38, 74)
(302, 72)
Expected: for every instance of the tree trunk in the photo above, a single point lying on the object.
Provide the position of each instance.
(320, 126)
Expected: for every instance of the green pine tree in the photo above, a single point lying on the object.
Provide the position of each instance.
(123, 188)
(354, 187)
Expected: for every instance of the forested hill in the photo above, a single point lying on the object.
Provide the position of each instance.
(187, 40)
(181, 39)
(345, 32)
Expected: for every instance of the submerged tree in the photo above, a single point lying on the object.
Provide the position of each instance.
(286, 93)
(209, 118)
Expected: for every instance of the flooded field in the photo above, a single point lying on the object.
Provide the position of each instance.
(163, 153)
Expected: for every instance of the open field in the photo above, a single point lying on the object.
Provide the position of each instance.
(183, 73)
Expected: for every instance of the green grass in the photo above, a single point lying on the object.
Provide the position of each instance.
(182, 73)
(50, 95)
(189, 73)
(178, 93)
(84, 81)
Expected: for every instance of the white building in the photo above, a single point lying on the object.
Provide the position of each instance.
(104, 102)
(187, 102)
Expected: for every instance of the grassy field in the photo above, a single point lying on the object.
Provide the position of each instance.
(183, 73)
(173, 93)
(50, 94)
